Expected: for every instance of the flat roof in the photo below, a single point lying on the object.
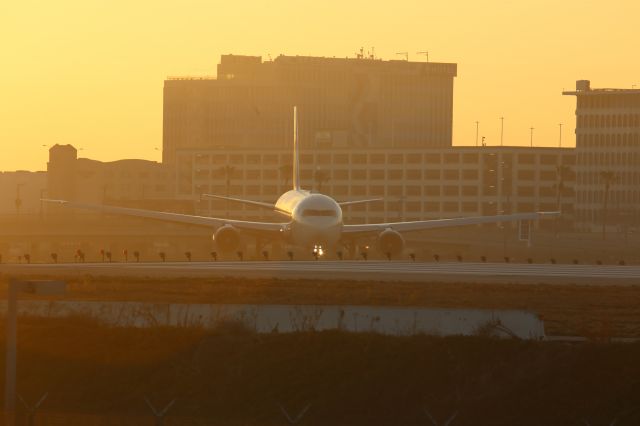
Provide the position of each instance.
(592, 92)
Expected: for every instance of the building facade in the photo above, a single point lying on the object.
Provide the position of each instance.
(20, 192)
(608, 156)
(342, 103)
(134, 183)
(415, 184)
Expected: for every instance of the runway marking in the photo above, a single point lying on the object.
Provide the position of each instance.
(360, 270)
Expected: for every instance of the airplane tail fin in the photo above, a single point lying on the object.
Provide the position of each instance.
(296, 151)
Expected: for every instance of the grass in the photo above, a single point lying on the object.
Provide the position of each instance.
(597, 312)
(230, 376)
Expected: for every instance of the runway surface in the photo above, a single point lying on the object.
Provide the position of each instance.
(348, 270)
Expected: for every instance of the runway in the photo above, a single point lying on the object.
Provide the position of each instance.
(347, 270)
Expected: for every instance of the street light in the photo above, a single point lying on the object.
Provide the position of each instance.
(560, 138)
(18, 201)
(531, 128)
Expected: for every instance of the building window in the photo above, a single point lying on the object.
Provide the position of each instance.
(341, 174)
(377, 158)
(470, 191)
(432, 190)
(451, 174)
(451, 191)
(432, 174)
(358, 174)
(469, 207)
(450, 206)
(526, 158)
(469, 174)
(394, 174)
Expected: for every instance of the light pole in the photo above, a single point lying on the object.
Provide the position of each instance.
(426, 53)
(477, 129)
(531, 128)
(560, 138)
(501, 130)
(18, 201)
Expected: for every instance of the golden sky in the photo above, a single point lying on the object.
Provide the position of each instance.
(90, 73)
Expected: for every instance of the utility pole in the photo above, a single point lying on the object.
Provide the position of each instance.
(501, 131)
(531, 128)
(477, 127)
(560, 138)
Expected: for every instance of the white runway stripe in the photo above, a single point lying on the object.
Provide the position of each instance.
(363, 270)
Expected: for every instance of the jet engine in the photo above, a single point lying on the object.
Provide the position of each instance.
(227, 238)
(390, 242)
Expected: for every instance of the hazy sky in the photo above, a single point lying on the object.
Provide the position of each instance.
(90, 73)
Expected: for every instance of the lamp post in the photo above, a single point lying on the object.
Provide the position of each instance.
(560, 136)
(501, 130)
(531, 128)
(18, 200)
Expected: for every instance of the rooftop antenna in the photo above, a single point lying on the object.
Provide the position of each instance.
(405, 54)
(426, 53)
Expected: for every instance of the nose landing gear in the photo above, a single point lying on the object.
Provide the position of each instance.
(317, 251)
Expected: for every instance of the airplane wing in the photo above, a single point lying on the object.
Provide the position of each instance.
(443, 223)
(350, 203)
(174, 217)
(244, 201)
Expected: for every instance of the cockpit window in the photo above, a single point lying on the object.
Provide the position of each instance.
(316, 213)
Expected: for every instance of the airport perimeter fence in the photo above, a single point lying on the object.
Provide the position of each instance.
(52, 418)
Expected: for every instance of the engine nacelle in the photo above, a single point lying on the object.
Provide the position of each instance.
(227, 238)
(390, 242)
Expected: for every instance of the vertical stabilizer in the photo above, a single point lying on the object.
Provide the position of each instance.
(296, 151)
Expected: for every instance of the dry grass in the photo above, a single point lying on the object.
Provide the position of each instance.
(591, 311)
(232, 377)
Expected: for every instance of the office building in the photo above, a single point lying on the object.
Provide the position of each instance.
(133, 183)
(608, 156)
(347, 103)
(415, 184)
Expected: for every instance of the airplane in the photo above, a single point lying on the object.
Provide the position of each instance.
(312, 220)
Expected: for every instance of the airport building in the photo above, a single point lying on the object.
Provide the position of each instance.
(608, 156)
(131, 183)
(415, 184)
(20, 192)
(344, 103)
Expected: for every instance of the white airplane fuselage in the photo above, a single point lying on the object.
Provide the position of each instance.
(316, 219)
